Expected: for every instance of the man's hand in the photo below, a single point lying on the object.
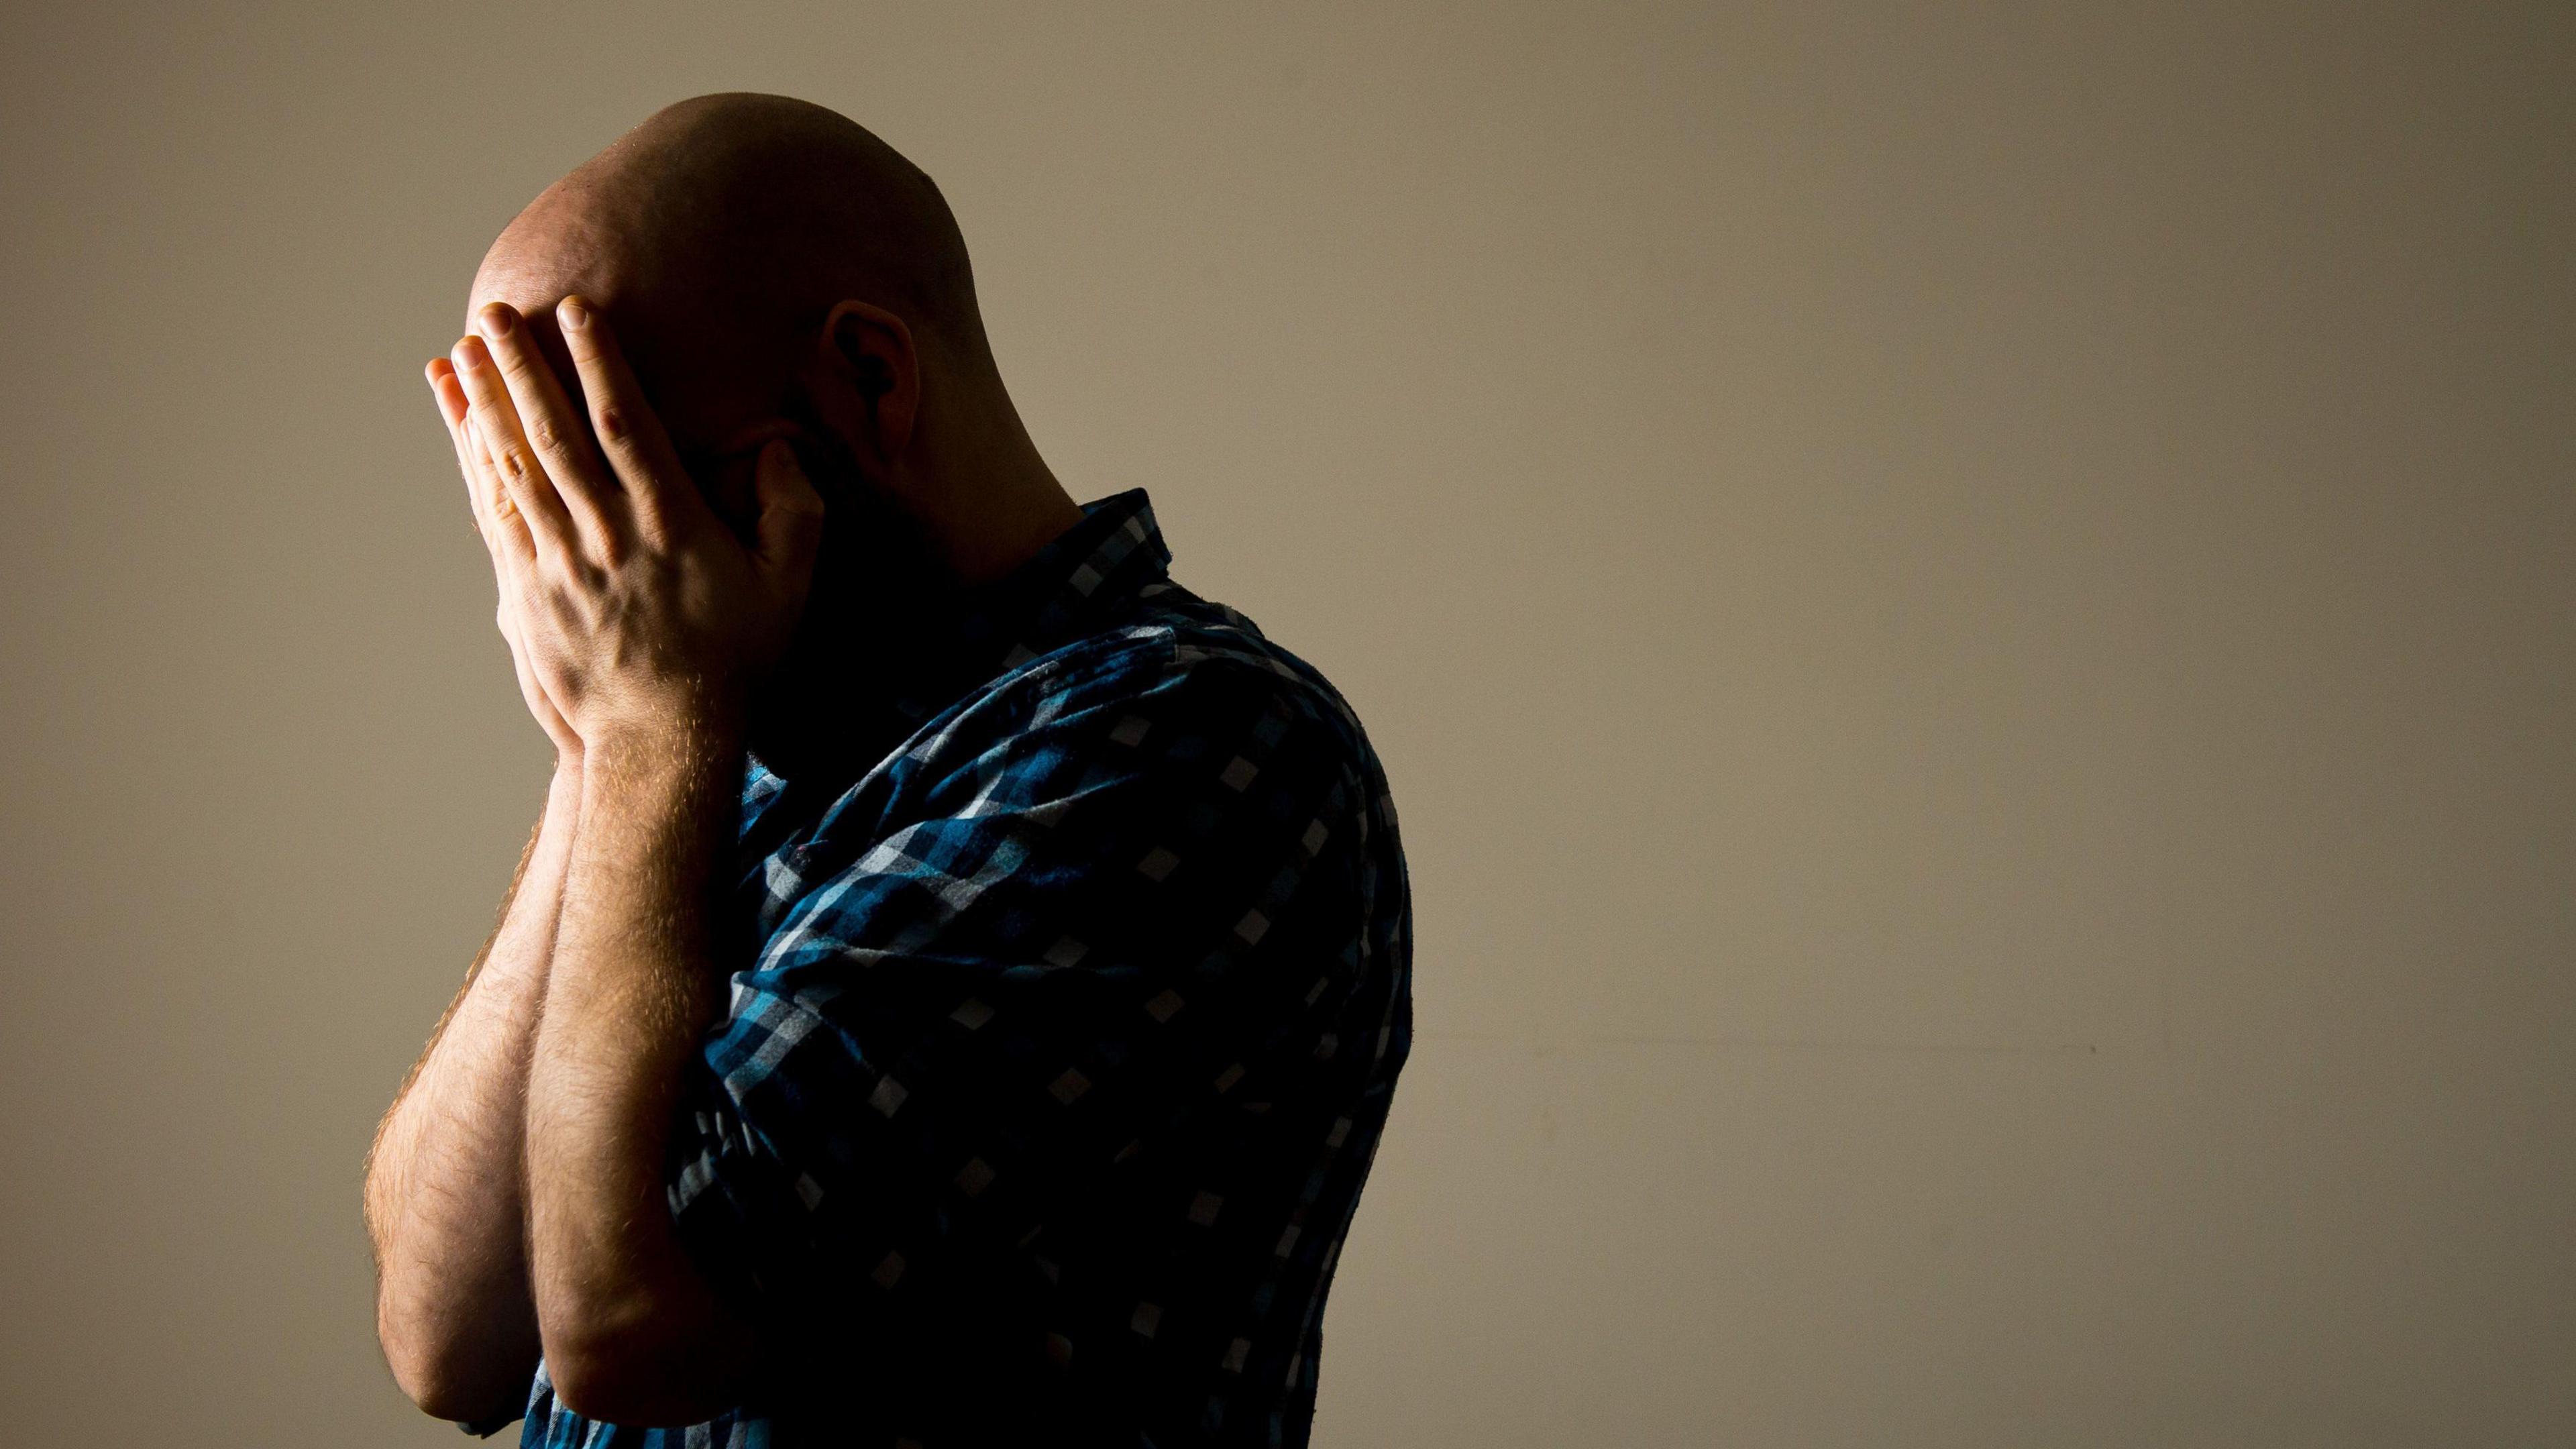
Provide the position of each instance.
(489, 501)
(638, 615)
(643, 624)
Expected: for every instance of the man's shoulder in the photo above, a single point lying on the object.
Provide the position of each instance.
(1179, 652)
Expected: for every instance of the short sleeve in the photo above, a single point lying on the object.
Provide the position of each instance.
(1116, 907)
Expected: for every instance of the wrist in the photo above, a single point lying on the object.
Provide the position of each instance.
(678, 721)
(564, 792)
(661, 758)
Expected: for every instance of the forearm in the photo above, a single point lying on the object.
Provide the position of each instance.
(635, 610)
(631, 1330)
(445, 1189)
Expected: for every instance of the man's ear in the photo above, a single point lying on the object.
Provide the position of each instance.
(866, 352)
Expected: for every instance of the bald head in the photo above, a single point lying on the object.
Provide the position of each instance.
(748, 215)
(773, 271)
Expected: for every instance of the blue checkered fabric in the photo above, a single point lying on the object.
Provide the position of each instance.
(1061, 1042)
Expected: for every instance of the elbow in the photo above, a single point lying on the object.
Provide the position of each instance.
(642, 1367)
(610, 1379)
(452, 1372)
(457, 1385)
(598, 1382)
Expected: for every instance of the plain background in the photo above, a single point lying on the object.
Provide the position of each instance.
(1970, 610)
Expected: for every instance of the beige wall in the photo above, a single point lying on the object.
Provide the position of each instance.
(1970, 615)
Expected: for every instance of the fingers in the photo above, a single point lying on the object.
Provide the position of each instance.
(450, 397)
(515, 545)
(494, 419)
(554, 432)
(640, 452)
(504, 534)
(791, 521)
(496, 518)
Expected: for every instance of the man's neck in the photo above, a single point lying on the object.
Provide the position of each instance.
(989, 501)
(996, 530)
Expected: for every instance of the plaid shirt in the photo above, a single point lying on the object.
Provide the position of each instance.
(1062, 1039)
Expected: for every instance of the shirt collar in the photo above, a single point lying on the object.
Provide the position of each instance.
(1086, 572)
(1095, 567)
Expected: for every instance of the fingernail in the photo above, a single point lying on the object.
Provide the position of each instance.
(572, 313)
(494, 319)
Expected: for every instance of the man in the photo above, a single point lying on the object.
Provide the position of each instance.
(954, 990)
